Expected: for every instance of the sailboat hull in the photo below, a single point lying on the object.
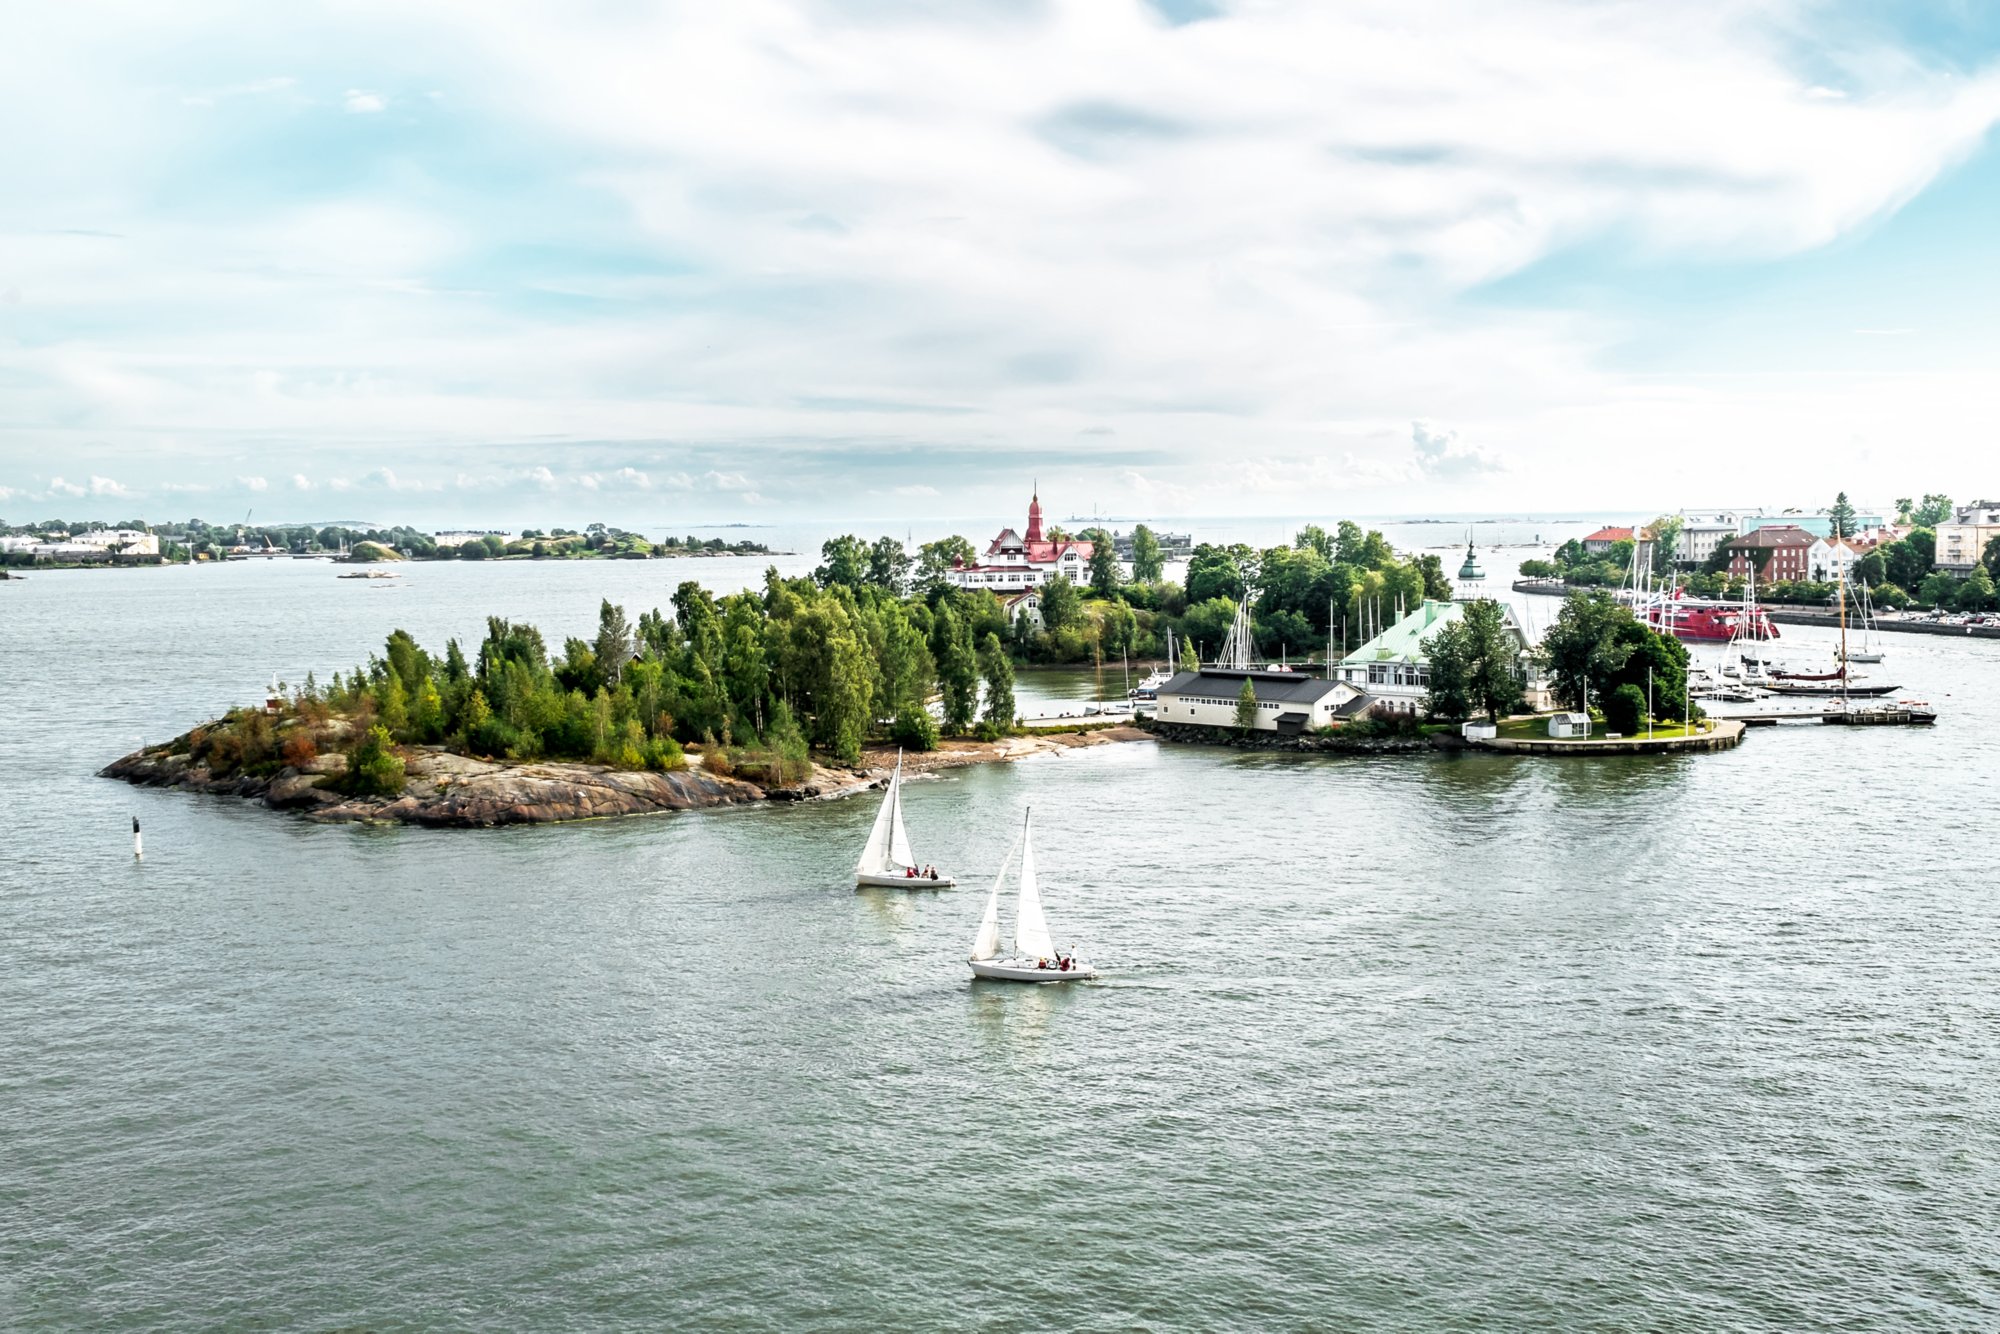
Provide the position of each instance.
(897, 880)
(1024, 970)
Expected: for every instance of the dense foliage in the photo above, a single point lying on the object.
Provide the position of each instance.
(1597, 645)
(1475, 665)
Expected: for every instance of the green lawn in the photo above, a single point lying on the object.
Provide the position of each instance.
(1537, 729)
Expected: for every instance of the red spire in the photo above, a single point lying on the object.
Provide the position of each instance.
(1034, 533)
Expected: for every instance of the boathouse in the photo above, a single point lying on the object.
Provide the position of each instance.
(1287, 701)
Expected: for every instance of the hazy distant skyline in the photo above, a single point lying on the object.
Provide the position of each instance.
(771, 261)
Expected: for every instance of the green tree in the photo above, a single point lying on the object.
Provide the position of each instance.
(958, 671)
(1871, 569)
(1625, 710)
(914, 728)
(1990, 557)
(1189, 662)
(427, 718)
(843, 561)
(1246, 705)
(999, 674)
(1841, 517)
(613, 648)
(1905, 510)
(889, 566)
(935, 561)
(1936, 509)
(473, 550)
(1582, 651)
(1976, 593)
(1105, 574)
(373, 768)
(1939, 589)
(1062, 605)
(1666, 531)
(1436, 583)
(392, 704)
(1147, 567)
(1474, 665)
(1214, 572)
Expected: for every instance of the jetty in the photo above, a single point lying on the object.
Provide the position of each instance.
(1517, 736)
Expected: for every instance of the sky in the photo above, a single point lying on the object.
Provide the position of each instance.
(664, 264)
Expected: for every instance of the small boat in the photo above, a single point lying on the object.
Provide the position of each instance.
(887, 863)
(1829, 689)
(1035, 957)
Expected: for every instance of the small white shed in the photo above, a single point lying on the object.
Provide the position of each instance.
(1569, 726)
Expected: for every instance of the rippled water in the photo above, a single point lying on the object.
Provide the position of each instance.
(1451, 1043)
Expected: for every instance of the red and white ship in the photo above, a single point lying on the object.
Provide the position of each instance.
(1709, 622)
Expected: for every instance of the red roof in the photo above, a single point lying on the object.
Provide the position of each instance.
(1776, 535)
(1611, 535)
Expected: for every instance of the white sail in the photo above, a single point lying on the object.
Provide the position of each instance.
(987, 943)
(1031, 928)
(899, 837)
(875, 857)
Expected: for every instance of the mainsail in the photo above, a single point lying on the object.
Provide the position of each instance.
(987, 943)
(899, 837)
(1031, 928)
(875, 856)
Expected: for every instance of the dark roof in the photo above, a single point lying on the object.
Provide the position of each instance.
(1775, 535)
(1271, 687)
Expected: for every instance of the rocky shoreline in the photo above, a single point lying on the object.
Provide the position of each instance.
(444, 790)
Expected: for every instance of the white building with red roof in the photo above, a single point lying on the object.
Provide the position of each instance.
(1017, 563)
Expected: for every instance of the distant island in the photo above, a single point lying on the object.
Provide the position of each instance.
(58, 544)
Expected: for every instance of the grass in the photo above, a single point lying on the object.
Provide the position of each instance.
(1537, 729)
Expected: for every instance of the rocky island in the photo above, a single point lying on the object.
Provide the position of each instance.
(445, 790)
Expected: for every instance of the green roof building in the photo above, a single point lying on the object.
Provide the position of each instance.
(1392, 668)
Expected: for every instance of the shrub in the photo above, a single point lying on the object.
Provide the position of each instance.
(988, 730)
(914, 728)
(714, 758)
(1625, 710)
(300, 750)
(373, 767)
(665, 755)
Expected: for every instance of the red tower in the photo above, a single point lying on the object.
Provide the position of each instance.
(1034, 533)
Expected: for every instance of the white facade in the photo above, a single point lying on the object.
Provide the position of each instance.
(1208, 699)
(98, 544)
(1701, 534)
(1830, 559)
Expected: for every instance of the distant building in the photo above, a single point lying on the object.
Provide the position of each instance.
(100, 544)
(1015, 563)
(1701, 534)
(1605, 539)
(1287, 702)
(1962, 542)
(460, 539)
(1393, 671)
(1173, 546)
(1790, 551)
(1831, 559)
(1819, 523)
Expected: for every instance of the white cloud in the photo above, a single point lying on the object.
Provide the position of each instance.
(10, 493)
(981, 236)
(1440, 454)
(253, 483)
(301, 482)
(59, 487)
(916, 489)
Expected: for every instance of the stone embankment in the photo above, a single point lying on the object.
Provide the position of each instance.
(445, 790)
(1336, 743)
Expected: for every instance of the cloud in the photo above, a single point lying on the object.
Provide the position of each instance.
(826, 248)
(59, 487)
(301, 482)
(10, 493)
(1440, 454)
(916, 489)
(253, 483)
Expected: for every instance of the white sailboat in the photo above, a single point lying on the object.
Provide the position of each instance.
(1867, 652)
(887, 863)
(1035, 957)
